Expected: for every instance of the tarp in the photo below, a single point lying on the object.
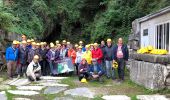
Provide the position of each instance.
(65, 66)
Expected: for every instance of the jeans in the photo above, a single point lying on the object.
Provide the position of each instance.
(103, 66)
(22, 68)
(110, 71)
(121, 68)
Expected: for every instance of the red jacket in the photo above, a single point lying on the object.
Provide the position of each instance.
(72, 54)
(97, 54)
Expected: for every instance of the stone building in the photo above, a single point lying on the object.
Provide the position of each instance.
(148, 70)
(153, 29)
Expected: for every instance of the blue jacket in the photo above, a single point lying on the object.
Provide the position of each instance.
(124, 50)
(99, 69)
(11, 54)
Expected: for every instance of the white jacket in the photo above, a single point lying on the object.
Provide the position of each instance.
(31, 71)
(78, 57)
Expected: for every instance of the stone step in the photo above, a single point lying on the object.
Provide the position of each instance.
(24, 93)
(52, 78)
(116, 97)
(83, 91)
(151, 97)
(36, 88)
(22, 99)
(3, 95)
(54, 90)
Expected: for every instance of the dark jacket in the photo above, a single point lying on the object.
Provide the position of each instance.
(124, 50)
(103, 50)
(49, 55)
(84, 67)
(43, 53)
(32, 52)
(108, 53)
(23, 55)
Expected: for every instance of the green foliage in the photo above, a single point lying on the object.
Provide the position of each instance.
(89, 20)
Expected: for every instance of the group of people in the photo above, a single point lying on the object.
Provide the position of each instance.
(32, 59)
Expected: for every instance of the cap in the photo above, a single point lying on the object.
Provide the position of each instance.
(24, 42)
(36, 57)
(109, 40)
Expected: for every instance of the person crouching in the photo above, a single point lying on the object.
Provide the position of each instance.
(83, 69)
(96, 71)
(34, 69)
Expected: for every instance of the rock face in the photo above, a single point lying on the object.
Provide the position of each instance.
(150, 75)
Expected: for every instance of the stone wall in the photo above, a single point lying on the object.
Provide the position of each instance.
(7, 38)
(151, 75)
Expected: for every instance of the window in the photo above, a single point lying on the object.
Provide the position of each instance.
(162, 36)
(145, 32)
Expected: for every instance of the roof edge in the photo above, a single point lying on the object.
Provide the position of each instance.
(155, 14)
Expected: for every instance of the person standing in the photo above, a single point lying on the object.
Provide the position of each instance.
(81, 44)
(108, 56)
(121, 55)
(87, 55)
(97, 54)
(23, 55)
(102, 47)
(72, 54)
(11, 58)
(79, 54)
(51, 56)
(43, 60)
(29, 46)
(32, 52)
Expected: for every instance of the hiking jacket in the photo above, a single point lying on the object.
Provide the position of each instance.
(88, 56)
(97, 54)
(53, 57)
(78, 57)
(108, 53)
(32, 68)
(11, 54)
(43, 53)
(84, 67)
(124, 51)
(72, 54)
(23, 55)
(32, 52)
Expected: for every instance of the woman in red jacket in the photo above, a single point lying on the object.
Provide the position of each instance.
(97, 54)
(72, 53)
